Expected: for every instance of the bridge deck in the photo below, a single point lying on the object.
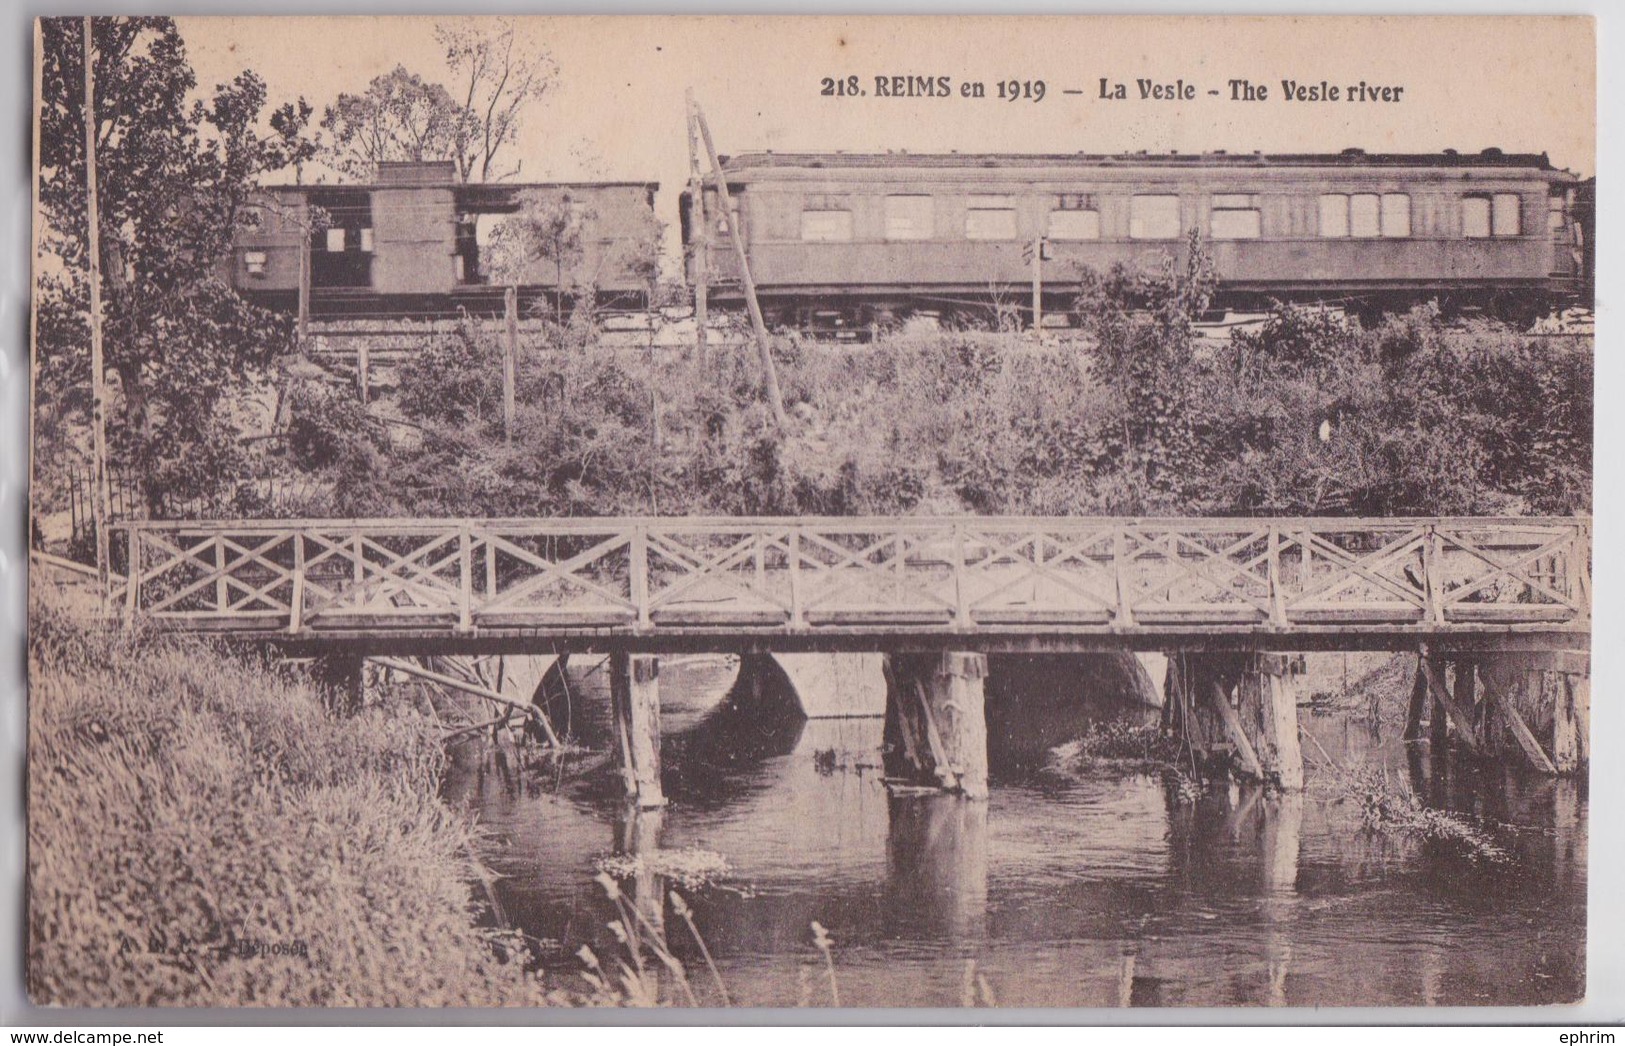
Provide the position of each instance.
(846, 583)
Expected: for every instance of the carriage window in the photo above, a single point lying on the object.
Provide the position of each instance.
(1236, 217)
(1500, 214)
(1153, 218)
(1365, 215)
(254, 262)
(1475, 217)
(1074, 225)
(366, 240)
(335, 240)
(909, 217)
(990, 218)
(826, 226)
(1396, 214)
(1506, 214)
(1334, 215)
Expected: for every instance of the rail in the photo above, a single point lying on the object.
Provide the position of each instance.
(850, 575)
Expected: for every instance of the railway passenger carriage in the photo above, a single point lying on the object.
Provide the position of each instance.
(408, 245)
(844, 240)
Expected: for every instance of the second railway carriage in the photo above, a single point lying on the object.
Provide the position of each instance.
(838, 239)
(408, 245)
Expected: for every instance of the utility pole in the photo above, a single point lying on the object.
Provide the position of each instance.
(764, 346)
(98, 377)
(700, 227)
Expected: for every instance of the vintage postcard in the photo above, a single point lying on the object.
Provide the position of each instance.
(807, 511)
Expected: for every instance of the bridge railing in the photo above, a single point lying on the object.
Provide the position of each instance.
(810, 575)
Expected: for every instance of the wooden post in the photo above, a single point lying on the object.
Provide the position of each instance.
(363, 354)
(1419, 704)
(764, 346)
(1280, 698)
(700, 228)
(936, 725)
(1038, 283)
(635, 692)
(1466, 692)
(98, 375)
(1565, 725)
(510, 360)
(306, 232)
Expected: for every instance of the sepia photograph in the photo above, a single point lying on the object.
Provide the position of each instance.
(773, 512)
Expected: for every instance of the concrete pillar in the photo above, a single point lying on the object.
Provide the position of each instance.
(936, 723)
(342, 677)
(634, 685)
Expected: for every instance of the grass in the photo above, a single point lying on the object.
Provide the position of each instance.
(202, 832)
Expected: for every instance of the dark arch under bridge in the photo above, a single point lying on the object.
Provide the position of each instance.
(936, 594)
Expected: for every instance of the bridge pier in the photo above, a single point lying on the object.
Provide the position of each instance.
(936, 724)
(1241, 708)
(634, 687)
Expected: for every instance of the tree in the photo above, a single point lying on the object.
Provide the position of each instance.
(403, 117)
(400, 117)
(175, 181)
(495, 75)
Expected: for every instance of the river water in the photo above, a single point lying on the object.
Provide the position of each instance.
(1101, 889)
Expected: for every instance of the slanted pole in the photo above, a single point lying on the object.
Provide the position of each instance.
(764, 346)
(634, 685)
(1246, 757)
(700, 234)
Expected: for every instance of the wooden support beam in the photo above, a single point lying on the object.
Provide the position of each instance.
(1461, 717)
(634, 685)
(1246, 755)
(1520, 730)
(468, 687)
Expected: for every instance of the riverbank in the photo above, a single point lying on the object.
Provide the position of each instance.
(203, 831)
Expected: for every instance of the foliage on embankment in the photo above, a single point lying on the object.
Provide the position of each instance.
(202, 831)
(1311, 414)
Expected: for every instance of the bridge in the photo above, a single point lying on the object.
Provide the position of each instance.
(936, 594)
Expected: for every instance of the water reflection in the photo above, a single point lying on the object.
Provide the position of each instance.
(1105, 890)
